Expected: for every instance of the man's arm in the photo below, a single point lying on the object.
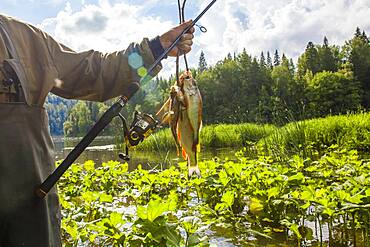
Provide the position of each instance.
(95, 76)
(92, 75)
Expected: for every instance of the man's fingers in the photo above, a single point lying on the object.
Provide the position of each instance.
(184, 49)
(188, 42)
(187, 36)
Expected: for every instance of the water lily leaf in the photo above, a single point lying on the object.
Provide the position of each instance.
(89, 165)
(273, 192)
(306, 205)
(153, 210)
(223, 178)
(116, 219)
(342, 195)
(307, 195)
(90, 196)
(193, 240)
(255, 206)
(295, 194)
(297, 177)
(306, 232)
(220, 206)
(328, 211)
(105, 198)
(356, 199)
(367, 192)
(173, 237)
(295, 229)
(72, 230)
(228, 198)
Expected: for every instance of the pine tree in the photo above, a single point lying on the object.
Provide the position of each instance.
(262, 60)
(284, 59)
(269, 60)
(326, 57)
(276, 58)
(229, 57)
(202, 65)
(364, 37)
(358, 33)
(312, 58)
(357, 52)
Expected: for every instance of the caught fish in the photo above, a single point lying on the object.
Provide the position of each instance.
(170, 112)
(190, 122)
(183, 112)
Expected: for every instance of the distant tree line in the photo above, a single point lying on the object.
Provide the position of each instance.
(327, 79)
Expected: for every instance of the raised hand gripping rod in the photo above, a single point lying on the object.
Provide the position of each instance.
(177, 40)
(43, 189)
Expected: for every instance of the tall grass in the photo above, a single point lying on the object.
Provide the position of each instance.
(308, 137)
(312, 137)
(220, 135)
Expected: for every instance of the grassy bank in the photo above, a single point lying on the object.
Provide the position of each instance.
(309, 137)
(220, 135)
(313, 137)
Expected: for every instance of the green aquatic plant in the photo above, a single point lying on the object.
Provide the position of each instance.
(252, 201)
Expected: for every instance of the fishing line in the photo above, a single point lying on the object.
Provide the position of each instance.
(182, 20)
(147, 72)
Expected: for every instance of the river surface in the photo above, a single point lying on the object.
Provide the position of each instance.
(103, 149)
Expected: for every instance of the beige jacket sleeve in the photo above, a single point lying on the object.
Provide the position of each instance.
(43, 65)
(95, 76)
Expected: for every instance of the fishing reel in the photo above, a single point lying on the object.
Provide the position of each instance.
(141, 127)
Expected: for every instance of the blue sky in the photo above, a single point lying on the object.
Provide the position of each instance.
(264, 25)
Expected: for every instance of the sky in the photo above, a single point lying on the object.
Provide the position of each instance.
(264, 25)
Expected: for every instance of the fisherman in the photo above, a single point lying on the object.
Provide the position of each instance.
(32, 64)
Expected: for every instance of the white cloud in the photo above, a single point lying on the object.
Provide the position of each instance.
(286, 25)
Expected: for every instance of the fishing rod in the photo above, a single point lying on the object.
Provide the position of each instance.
(142, 126)
(177, 40)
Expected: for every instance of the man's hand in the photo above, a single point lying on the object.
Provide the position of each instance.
(184, 46)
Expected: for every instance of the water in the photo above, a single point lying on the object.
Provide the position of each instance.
(103, 149)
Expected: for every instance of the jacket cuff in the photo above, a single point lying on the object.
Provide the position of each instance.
(149, 59)
(156, 47)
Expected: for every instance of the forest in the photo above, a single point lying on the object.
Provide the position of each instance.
(301, 177)
(327, 79)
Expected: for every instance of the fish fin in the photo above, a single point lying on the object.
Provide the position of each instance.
(166, 117)
(178, 134)
(184, 154)
(164, 108)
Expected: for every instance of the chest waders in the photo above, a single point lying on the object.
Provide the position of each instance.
(26, 159)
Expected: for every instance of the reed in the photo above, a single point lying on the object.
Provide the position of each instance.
(215, 136)
(312, 137)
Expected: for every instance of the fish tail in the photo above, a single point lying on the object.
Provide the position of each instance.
(193, 165)
(194, 170)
